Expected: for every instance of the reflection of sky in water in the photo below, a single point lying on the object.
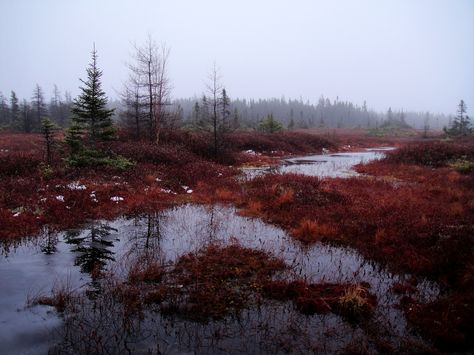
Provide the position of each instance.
(36, 266)
(177, 231)
(323, 165)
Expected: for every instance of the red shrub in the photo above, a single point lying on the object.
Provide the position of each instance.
(20, 163)
(447, 321)
(290, 142)
(286, 199)
(433, 154)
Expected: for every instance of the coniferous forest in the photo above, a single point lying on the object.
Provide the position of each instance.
(139, 220)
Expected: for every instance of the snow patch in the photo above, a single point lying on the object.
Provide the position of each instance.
(76, 185)
(116, 199)
(166, 191)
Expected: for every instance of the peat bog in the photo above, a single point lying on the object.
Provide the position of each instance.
(183, 252)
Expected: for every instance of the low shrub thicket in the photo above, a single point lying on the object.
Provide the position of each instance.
(289, 142)
(434, 154)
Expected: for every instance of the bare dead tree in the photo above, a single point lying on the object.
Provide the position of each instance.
(39, 106)
(150, 85)
(214, 89)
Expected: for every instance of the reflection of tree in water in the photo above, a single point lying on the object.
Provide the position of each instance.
(93, 246)
(151, 237)
(213, 225)
(48, 242)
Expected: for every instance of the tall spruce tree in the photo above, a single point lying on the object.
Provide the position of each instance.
(92, 125)
(90, 108)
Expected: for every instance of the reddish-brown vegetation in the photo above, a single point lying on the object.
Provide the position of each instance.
(212, 283)
(437, 220)
(181, 168)
(434, 154)
(284, 142)
(353, 302)
(290, 200)
(447, 321)
(217, 281)
(413, 214)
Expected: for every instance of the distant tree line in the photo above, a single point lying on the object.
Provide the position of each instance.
(26, 115)
(145, 107)
(248, 114)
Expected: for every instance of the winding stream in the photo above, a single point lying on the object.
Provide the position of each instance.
(323, 165)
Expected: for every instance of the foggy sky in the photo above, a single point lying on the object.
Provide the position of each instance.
(411, 54)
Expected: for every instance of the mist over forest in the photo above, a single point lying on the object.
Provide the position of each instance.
(16, 112)
(236, 177)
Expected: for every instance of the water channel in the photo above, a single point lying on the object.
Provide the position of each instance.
(34, 266)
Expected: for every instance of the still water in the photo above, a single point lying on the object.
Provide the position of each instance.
(34, 266)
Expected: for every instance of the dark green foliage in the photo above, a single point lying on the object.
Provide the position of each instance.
(462, 122)
(48, 129)
(14, 111)
(93, 158)
(4, 111)
(270, 125)
(90, 108)
(92, 125)
(74, 137)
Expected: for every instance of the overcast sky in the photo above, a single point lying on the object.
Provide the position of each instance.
(411, 54)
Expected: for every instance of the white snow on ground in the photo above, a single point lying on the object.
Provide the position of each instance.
(167, 191)
(116, 198)
(76, 185)
(60, 198)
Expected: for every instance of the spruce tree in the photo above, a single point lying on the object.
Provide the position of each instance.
(92, 124)
(461, 124)
(48, 129)
(90, 107)
(14, 111)
(4, 111)
(270, 125)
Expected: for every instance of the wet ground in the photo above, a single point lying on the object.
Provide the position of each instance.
(323, 165)
(35, 266)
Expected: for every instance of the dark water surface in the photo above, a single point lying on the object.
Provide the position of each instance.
(35, 266)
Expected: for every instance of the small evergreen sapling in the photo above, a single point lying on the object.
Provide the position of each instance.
(48, 129)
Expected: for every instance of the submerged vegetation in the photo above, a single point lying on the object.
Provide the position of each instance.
(410, 212)
(387, 216)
